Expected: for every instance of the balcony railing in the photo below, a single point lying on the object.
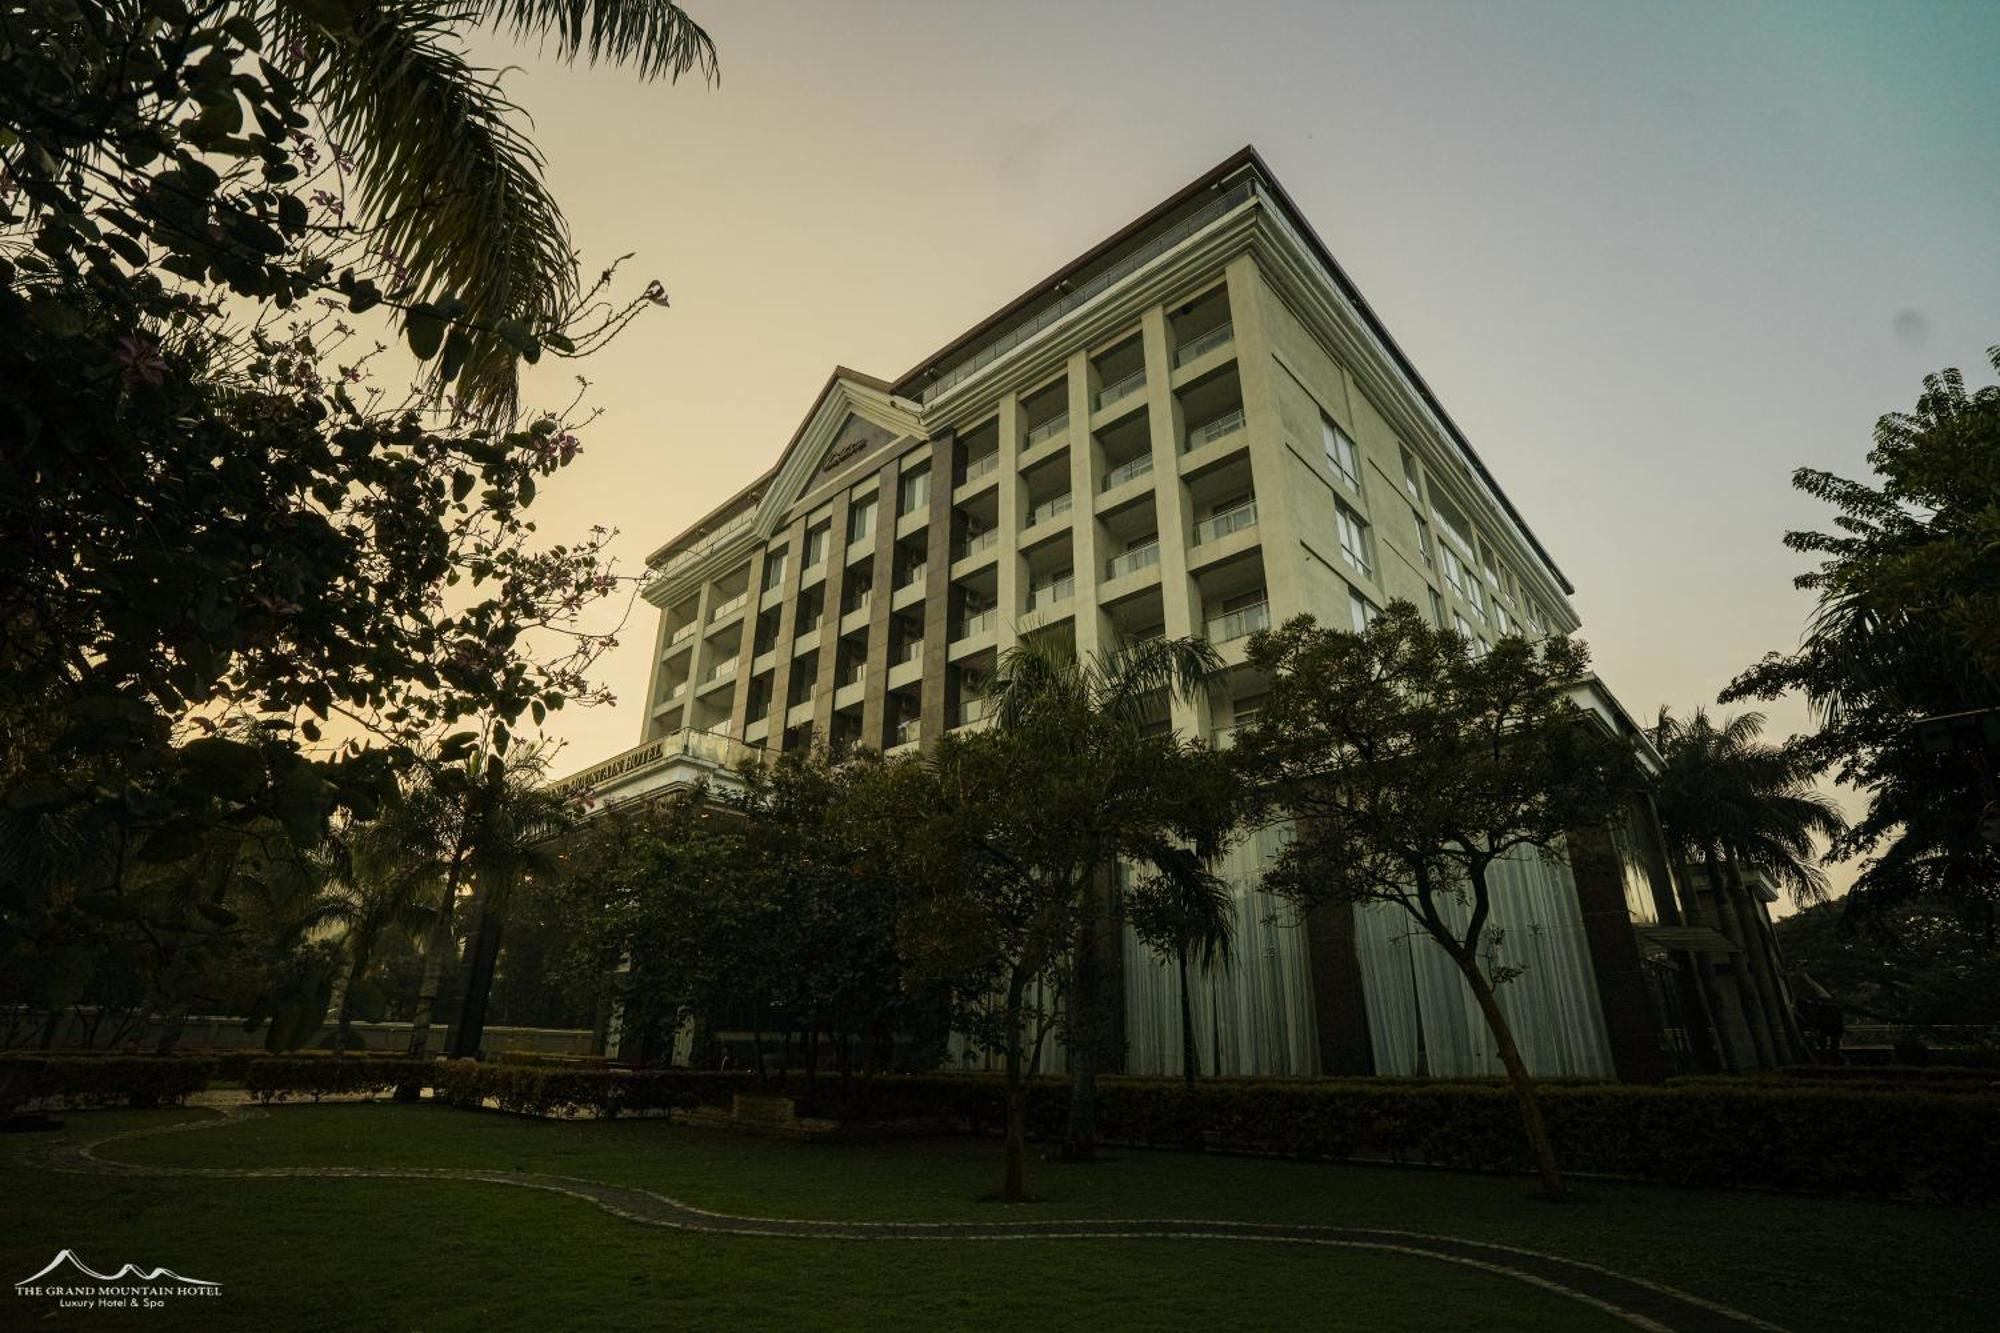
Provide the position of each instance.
(1124, 388)
(975, 468)
(721, 609)
(974, 708)
(682, 634)
(913, 574)
(979, 622)
(976, 542)
(1049, 429)
(1225, 521)
(1203, 344)
(1128, 471)
(1052, 592)
(723, 671)
(1049, 509)
(855, 675)
(908, 730)
(1090, 288)
(1211, 431)
(694, 551)
(1240, 623)
(913, 650)
(859, 602)
(1132, 561)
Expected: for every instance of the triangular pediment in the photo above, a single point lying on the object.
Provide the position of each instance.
(854, 416)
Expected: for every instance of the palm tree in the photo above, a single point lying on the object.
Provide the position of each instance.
(452, 187)
(1186, 910)
(1100, 711)
(381, 889)
(1735, 804)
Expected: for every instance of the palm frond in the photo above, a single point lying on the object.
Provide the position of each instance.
(454, 189)
(655, 38)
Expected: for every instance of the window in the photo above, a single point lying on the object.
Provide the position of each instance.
(1486, 559)
(810, 602)
(914, 492)
(1503, 622)
(1353, 537)
(861, 519)
(1362, 609)
(1423, 536)
(1340, 454)
(1452, 521)
(1437, 608)
(1464, 627)
(1246, 710)
(774, 570)
(816, 539)
(1413, 481)
(1454, 570)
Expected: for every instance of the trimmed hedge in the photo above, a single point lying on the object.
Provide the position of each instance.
(274, 1078)
(541, 1089)
(74, 1081)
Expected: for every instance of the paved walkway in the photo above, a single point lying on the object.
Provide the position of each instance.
(1635, 1301)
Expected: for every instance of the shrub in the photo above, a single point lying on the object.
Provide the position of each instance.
(541, 1089)
(275, 1078)
(75, 1081)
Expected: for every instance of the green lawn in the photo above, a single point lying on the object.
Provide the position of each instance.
(449, 1255)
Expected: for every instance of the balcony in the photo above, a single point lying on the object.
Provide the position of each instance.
(975, 468)
(1048, 430)
(1225, 521)
(1123, 389)
(1210, 431)
(978, 622)
(1051, 593)
(1132, 561)
(1240, 623)
(909, 731)
(681, 635)
(727, 608)
(722, 675)
(1048, 509)
(974, 709)
(911, 574)
(976, 542)
(1202, 344)
(1130, 470)
(734, 526)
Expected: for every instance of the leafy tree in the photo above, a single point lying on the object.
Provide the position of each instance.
(1907, 628)
(1185, 911)
(1732, 803)
(1112, 774)
(210, 524)
(380, 891)
(1918, 969)
(1407, 765)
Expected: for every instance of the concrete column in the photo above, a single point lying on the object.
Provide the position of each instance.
(739, 704)
(938, 603)
(697, 652)
(1083, 493)
(1009, 569)
(829, 619)
(1273, 471)
(875, 700)
(1180, 599)
(1631, 1021)
(788, 624)
(1340, 1000)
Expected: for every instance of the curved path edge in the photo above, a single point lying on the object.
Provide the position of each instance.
(1638, 1302)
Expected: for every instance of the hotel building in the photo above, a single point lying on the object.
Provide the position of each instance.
(1199, 427)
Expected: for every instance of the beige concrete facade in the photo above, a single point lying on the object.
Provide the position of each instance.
(1198, 429)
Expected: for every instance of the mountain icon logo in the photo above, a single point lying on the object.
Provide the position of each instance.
(77, 1268)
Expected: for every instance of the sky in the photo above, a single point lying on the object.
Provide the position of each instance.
(1652, 257)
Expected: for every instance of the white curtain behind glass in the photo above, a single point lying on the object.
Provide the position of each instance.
(1422, 1018)
(1254, 1016)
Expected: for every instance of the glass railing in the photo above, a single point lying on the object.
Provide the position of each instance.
(855, 676)
(1225, 521)
(1204, 343)
(721, 609)
(860, 602)
(684, 632)
(974, 543)
(1132, 561)
(1211, 431)
(908, 730)
(1237, 624)
(975, 468)
(980, 622)
(1048, 430)
(1049, 509)
(723, 671)
(1055, 590)
(1128, 471)
(914, 574)
(913, 650)
(687, 555)
(1124, 388)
